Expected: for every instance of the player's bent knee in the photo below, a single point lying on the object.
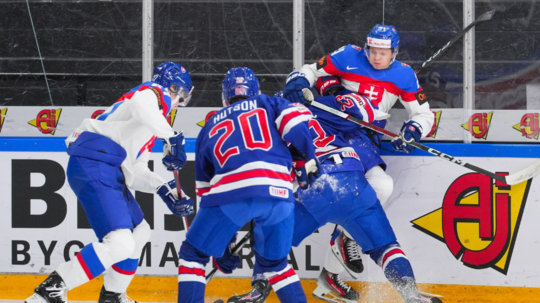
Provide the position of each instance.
(142, 233)
(190, 253)
(381, 182)
(120, 243)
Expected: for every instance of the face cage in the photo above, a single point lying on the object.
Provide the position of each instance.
(394, 50)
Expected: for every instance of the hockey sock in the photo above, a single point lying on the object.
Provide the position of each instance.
(287, 285)
(119, 276)
(94, 258)
(191, 274)
(396, 267)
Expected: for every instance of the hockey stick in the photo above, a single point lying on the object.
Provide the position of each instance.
(167, 150)
(515, 178)
(484, 17)
(235, 251)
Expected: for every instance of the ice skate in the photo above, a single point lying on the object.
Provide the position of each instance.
(113, 297)
(259, 293)
(331, 288)
(52, 290)
(348, 253)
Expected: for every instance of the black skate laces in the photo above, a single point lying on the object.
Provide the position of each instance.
(340, 283)
(58, 290)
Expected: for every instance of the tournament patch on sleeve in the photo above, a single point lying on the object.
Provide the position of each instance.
(421, 97)
(322, 62)
(159, 97)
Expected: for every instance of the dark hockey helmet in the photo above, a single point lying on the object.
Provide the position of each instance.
(328, 85)
(176, 78)
(239, 82)
(383, 36)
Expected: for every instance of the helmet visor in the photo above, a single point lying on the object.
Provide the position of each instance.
(182, 94)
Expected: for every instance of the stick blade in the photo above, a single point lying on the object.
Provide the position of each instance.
(486, 16)
(524, 175)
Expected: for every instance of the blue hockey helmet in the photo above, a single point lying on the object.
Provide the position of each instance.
(239, 81)
(383, 36)
(176, 78)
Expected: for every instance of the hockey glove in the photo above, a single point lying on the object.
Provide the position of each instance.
(181, 207)
(411, 131)
(229, 261)
(296, 81)
(174, 154)
(306, 172)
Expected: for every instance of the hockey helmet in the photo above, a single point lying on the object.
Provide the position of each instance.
(325, 85)
(383, 36)
(176, 78)
(239, 81)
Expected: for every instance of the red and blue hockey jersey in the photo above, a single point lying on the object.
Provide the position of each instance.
(242, 153)
(383, 87)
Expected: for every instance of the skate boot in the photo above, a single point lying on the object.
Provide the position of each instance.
(331, 288)
(113, 297)
(52, 290)
(259, 293)
(348, 253)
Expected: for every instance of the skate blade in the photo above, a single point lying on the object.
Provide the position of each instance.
(337, 254)
(325, 294)
(35, 298)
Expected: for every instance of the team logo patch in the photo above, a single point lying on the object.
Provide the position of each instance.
(478, 125)
(97, 113)
(435, 126)
(358, 48)
(279, 192)
(3, 113)
(47, 120)
(322, 62)
(478, 221)
(529, 126)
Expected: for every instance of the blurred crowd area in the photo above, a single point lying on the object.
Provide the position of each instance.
(91, 51)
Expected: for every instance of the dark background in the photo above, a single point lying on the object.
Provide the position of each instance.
(92, 50)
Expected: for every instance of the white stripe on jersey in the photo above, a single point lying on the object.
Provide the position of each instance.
(251, 166)
(248, 183)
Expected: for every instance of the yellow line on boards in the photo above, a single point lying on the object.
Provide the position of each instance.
(164, 289)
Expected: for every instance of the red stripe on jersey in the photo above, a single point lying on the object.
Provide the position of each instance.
(289, 117)
(124, 272)
(85, 267)
(409, 97)
(253, 174)
(391, 253)
(278, 278)
(201, 191)
(369, 110)
(182, 270)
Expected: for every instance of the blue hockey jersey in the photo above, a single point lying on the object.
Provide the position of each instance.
(242, 153)
(331, 132)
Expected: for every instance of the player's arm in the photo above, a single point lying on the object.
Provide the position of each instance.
(145, 180)
(308, 74)
(420, 122)
(204, 167)
(145, 107)
(292, 124)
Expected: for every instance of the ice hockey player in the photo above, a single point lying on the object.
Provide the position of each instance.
(108, 158)
(242, 171)
(374, 72)
(343, 196)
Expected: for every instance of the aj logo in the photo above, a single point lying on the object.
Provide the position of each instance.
(208, 116)
(97, 113)
(3, 113)
(529, 126)
(479, 220)
(478, 125)
(435, 127)
(47, 120)
(171, 117)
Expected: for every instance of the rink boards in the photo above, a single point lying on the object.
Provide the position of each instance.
(457, 228)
